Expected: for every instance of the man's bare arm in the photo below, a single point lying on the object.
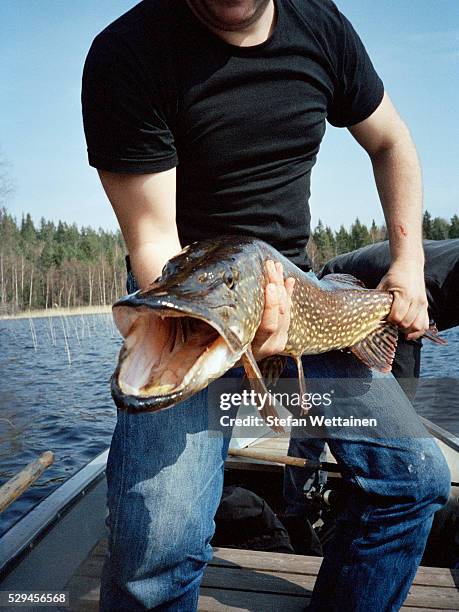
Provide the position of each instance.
(398, 178)
(145, 208)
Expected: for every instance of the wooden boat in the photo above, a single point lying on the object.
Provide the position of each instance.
(60, 546)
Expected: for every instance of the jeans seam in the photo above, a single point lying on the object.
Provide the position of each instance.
(364, 517)
(114, 528)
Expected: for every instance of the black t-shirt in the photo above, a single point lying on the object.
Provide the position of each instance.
(441, 272)
(243, 125)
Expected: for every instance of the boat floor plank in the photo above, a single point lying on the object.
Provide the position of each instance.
(83, 589)
(256, 581)
(280, 562)
(224, 600)
(252, 580)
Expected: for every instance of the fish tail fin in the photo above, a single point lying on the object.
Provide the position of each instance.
(377, 350)
(432, 335)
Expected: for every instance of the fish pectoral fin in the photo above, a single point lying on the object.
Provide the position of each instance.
(301, 383)
(342, 281)
(271, 368)
(377, 350)
(268, 405)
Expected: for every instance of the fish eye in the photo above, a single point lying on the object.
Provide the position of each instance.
(229, 279)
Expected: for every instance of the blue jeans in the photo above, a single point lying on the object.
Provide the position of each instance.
(165, 478)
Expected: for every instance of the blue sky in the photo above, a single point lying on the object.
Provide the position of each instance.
(414, 45)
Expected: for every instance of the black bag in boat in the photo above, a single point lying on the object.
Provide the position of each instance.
(442, 548)
(245, 520)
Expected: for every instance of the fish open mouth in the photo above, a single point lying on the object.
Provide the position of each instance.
(166, 351)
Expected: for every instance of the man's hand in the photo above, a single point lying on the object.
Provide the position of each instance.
(272, 334)
(409, 309)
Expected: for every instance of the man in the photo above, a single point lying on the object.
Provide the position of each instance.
(205, 117)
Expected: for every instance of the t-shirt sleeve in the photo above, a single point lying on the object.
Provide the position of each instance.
(124, 112)
(358, 88)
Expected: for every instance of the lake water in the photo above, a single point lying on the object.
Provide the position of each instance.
(54, 395)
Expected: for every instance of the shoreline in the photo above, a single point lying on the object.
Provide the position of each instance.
(57, 312)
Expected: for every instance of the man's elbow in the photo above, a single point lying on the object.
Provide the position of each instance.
(397, 142)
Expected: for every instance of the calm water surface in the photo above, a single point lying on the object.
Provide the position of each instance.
(54, 395)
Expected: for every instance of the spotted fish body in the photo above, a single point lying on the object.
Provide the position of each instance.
(198, 319)
(334, 313)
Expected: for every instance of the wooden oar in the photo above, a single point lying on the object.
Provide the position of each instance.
(12, 489)
(284, 459)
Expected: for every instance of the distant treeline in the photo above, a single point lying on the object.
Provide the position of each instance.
(57, 265)
(66, 266)
(326, 243)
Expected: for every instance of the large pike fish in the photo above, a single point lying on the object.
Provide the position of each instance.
(198, 319)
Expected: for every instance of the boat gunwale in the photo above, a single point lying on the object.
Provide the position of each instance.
(441, 434)
(33, 526)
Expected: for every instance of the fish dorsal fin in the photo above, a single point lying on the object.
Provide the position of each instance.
(257, 384)
(377, 350)
(343, 281)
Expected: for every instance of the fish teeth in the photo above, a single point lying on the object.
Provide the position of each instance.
(161, 389)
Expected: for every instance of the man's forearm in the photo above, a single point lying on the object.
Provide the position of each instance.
(399, 182)
(145, 208)
(398, 178)
(148, 259)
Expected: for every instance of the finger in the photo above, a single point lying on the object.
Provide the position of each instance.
(290, 286)
(280, 273)
(272, 272)
(286, 296)
(270, 319)
(387, 284)
(415, 336)
(410, 317)
(399, 309)
(283, 298)
(419, 326)
(273, 278)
